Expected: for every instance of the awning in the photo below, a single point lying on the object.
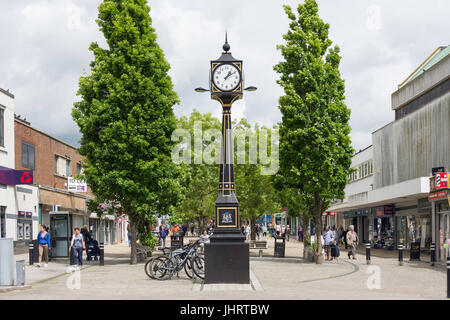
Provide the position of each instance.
(12, 177)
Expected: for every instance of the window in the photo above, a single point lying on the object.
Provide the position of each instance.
(79, 169)
(2, 128)
(62, 166)
(2, 222)
(27, 155)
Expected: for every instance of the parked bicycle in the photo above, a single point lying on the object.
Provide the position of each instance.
(188, 258)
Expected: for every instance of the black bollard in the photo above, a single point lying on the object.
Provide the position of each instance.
(432, 254)
(102, 253)
(368, 252)
(31, 253)
(400, 254)
(448, 277)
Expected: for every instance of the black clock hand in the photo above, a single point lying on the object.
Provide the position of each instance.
(228, 75)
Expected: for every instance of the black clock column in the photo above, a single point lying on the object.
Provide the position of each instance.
(227, 254)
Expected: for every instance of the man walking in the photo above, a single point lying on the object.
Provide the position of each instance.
(352, 241)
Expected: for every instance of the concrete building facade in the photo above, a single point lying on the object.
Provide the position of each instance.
(404, 153)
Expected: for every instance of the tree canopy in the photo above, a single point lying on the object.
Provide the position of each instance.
(315, 147)
(126, 116)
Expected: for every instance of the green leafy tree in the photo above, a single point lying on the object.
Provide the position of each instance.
(254, 190)
(315, 147)
(126, 118)
(198, 205)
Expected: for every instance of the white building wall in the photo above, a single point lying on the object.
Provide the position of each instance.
(7, 160)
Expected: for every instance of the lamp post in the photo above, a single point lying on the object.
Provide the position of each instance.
(227, 254)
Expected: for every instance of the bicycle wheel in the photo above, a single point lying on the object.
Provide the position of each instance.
(188, 269)
(147, 267)
(198, 266)
(162, 268)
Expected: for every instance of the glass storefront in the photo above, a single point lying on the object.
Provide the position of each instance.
(383, 233)
(443, 217)
(415, 229)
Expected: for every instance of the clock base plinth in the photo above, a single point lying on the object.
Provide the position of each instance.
(227, 258)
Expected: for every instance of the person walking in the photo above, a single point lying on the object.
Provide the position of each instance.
(248, 232)
(352, 241)
(300, 233)
(328, 239)
(78, 245)
(163, 232)
(44, 245)
(264, 230)
(175, 232)
(129, 234)
(278, 229)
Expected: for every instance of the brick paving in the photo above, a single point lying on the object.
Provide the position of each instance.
(277, 278)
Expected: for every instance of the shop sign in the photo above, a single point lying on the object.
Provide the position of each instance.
(13, 177)
(384, 210)
(438, 195)
(439, 181)
(28, 214)
(21, 213)
(75, 185)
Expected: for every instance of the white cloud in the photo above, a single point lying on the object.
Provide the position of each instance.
(47, 51)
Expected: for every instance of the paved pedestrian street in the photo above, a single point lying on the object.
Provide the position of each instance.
(272, 278)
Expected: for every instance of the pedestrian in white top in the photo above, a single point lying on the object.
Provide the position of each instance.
(248, 231)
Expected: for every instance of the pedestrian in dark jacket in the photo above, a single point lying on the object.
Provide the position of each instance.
(163, 232)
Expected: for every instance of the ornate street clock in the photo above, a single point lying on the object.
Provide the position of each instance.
(227, 254)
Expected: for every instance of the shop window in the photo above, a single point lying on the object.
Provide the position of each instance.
(28, 155)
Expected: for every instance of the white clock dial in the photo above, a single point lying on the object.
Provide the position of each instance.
(226, 77)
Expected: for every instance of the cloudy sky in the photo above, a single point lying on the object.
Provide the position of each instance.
(45, 50)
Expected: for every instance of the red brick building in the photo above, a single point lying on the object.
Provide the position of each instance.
(52, 162)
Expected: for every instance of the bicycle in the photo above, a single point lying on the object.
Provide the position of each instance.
(164, 267)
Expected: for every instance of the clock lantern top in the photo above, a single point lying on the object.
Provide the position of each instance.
(226, 80)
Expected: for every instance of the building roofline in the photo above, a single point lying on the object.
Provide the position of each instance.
(362, 150)
(9, 94)
(22, 122)
(383, 127)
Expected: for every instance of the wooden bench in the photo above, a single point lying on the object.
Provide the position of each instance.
(258, 245)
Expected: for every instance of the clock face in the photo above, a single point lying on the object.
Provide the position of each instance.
(226, 77)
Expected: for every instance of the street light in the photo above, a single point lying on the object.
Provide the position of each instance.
(250, 88)
(200, 89)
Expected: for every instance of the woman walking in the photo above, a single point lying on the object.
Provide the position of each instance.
(78, 245)
(44, 245)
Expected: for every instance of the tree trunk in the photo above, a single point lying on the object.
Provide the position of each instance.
(318, 226)
(253, 229)
(133, 257)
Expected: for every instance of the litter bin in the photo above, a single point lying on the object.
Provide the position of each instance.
(280, 246)
(414, 253)
(176, 241)
(20, 272)
(6, 262)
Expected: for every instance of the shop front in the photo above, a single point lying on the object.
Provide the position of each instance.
(384, 227)
(414, 227)
(439, 197)
(375, 225)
